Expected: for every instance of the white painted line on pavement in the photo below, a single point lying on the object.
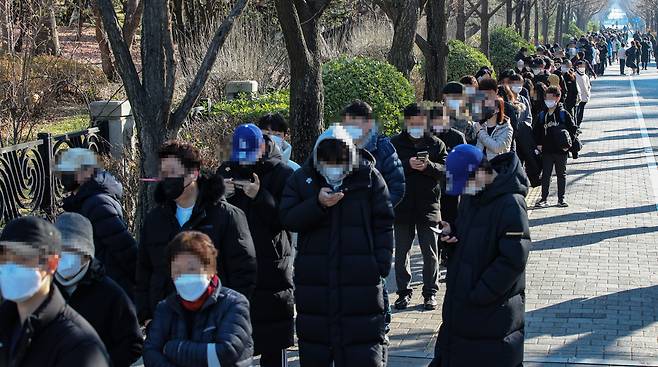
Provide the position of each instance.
(648, 150)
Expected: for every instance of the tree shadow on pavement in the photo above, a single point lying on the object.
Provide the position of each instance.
(599, 323)
(607, 213)
(585, 239)
(613, 153)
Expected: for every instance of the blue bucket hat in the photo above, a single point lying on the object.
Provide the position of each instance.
(247, 139)
(461, 163)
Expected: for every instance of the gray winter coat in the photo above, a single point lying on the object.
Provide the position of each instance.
(499, 142)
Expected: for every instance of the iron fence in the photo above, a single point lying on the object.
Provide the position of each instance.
(28, 184)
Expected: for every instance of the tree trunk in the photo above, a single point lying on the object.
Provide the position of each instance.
(404, 37)
(546, 17)
(300, 25)
(107, 64)
(461, 21)
(536, 22)
(47, 38)
(436, 50)
(566, 19)
(557, 36)
(528, 13)
(484, 27)
(509, 12)
(518, 16)
(134, 11)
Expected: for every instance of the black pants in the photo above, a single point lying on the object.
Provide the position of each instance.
(274, 359)
(644, 64)
(622, 64)
(580, 110)
(449, 205)
(559, 161)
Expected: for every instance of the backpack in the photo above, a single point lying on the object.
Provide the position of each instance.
(575, 144)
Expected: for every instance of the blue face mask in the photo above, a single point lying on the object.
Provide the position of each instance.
(416, 132)
(355, 132)
(19, 283)
(191, 287)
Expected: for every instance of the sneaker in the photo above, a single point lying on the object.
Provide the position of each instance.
(430, 303)
(403, 301)
(542, 204)
(562, 204)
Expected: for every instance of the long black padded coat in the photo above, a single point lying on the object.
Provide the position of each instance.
(343, 252)
(272, 304)
(225, 224)
(99, 200)
(483, 308)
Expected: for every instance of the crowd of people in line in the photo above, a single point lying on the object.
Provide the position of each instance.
(233, 261)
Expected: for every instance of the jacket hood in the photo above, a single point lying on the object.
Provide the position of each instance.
(338, 132)
(211, 191)
(101, 183)
(511, 178)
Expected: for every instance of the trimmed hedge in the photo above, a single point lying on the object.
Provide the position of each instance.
(245, 110)
(504, 45)
(376, 82)
(464, 60)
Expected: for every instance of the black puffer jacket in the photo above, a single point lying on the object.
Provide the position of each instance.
(53, 336)
(108, 309)
(99, 200)
(483, 309)
(421, 201)
(272, 305)
(225, 224)
(179, 338)
(343, 252)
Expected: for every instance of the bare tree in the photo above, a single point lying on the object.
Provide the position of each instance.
(435, 49)
(151, 94)
(485, 14)
(405, 15)
(300, 23)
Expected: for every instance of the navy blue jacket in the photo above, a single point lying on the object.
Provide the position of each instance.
(222, 322)
(99, 200)
(389, 165)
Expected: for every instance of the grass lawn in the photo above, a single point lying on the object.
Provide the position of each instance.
(67, 124)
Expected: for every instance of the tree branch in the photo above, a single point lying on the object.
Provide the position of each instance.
(123, 59)
(206, 66)
(495, 10)
(423, 45)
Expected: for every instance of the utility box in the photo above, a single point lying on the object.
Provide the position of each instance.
(120, 125)
(237, 87)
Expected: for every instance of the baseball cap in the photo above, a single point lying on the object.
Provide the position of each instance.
(77, 233)
(75, 158)
(31, 236)
(247, 139)
(461, 163)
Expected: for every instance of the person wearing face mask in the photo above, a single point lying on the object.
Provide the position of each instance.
(488, 246)
(554, 134)
(37, 327)
(584, 89)
(423, 157)
(622, 58)
(256, 155)
(339, 204)
(188, 200)
(96, 195)
(454, 99)
(202, 323)
(82, 282)
(572, 95)
(359, 123)
(524, 139)
(275, 125)
(495, 133)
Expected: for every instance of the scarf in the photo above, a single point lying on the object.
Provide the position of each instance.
(196, 305)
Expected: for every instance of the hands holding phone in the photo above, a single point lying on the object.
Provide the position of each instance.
(420, 161)
(249, 188)
(328, 197)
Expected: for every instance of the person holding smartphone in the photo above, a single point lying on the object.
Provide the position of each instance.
(256, 176)
(423, 156)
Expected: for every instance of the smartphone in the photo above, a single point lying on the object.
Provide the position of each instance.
(422, 155)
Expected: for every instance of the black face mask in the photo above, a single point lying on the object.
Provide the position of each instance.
(173, 187)
(68, 181)
(488, 112)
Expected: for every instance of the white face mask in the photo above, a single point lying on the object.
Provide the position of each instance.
(70, 265)
(356, 132)
(191, 287)
(581, 70)
(550, 103)
(520, 64)
(277, 140)
(19, 283)
(536, 71)
(334, 174)
(517, 89)
(564, 69)
(416, 132)
(471, 189)
(470, 90)
(453, 104)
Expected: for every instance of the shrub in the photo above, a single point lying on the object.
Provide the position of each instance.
(244, 110)
(504, 45)
(575, 31)
(464, 60)
(375, 82)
